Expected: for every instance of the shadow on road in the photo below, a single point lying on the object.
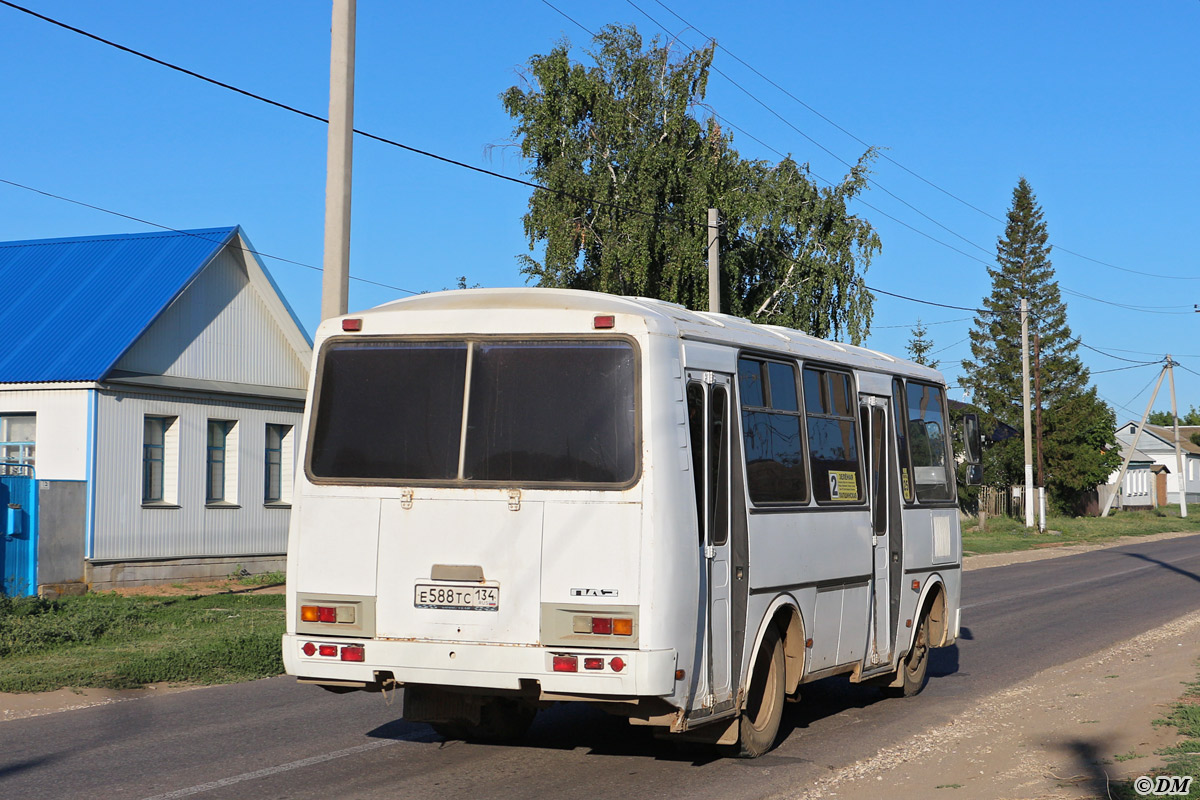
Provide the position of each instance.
(1163, 564)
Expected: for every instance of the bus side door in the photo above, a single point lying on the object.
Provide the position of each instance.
(873, 415)
(709, 398)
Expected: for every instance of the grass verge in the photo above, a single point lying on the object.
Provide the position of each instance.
(111, 641)
(1004, 535)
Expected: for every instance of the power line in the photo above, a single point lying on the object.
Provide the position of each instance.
(885, 156)
(190, 233)
(1120, 369)
(921, 322)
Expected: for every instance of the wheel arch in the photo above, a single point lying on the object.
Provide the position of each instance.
(783, 616)
(933, 601)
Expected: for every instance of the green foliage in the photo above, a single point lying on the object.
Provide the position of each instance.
(920, 344)
(1164, 418)
(105, 640)
(1079, 443)
(632, 166)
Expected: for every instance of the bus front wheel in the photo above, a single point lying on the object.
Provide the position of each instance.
(759, 725)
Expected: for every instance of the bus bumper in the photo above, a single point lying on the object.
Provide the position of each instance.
(642, 673)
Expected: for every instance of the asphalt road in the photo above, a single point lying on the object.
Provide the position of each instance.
(276, 739)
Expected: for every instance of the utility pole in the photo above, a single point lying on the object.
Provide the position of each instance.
(1037, 404)
(714, 261)
(1028, 494)
(1133, 445)
(335, 283)
(1182, 481)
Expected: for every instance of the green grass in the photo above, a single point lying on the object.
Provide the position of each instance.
(264, 579)
(110, 641)
(1004, 534)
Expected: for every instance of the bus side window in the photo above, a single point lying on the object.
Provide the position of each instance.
(695, 406)
(901, 415)
(832, 438)
(719, 465)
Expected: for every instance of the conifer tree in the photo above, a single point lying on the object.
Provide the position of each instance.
(920, 344)
(1077, 425)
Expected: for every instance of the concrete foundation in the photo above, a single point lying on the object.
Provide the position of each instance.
(103, 576)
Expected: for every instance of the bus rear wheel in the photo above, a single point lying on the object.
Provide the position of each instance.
(759, 725)
(914, 671)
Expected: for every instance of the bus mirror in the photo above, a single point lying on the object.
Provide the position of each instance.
(974, 474)
(971, 439)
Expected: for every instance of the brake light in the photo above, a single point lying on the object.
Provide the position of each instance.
(602, 625)
(354, 652)
(566, 664)
(328, 650)
(593, 663)
(604, 321)
(326, 614)
(352, 324)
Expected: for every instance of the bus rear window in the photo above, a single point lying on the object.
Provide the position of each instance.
(538, 412)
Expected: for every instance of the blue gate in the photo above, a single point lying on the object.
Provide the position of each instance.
(18, 530)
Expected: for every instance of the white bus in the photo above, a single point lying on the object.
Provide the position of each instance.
(516, 497)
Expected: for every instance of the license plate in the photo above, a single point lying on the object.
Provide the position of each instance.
(461, 597)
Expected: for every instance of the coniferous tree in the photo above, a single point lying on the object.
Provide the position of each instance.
(920, 344)
(1078, 428)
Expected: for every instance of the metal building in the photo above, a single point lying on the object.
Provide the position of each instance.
(151, 387)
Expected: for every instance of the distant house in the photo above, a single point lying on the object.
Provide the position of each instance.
(1143, 485)
(1157, 445)
(151, 391)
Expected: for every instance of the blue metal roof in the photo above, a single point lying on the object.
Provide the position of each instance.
(72, 307)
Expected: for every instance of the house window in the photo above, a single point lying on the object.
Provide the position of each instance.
(221, 473)
(17, 442)
(277, 481)
(160, 460)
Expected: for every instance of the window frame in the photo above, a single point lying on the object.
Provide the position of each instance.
(467, 483)
(26, 449)
(148, 461)
(284, 499)
(229, 466)
(852, 417)
(764, 359)
(948, 439)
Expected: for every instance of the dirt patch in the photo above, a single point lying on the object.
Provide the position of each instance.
(203, 587)
(35, 704)
(1069, 732)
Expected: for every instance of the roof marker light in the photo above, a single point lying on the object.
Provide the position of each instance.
(352, 324)
(604, 322)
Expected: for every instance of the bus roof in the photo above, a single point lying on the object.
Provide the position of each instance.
(662, 317)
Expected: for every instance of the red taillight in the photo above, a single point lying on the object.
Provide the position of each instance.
(309, 649)
(617, 664)
(354, 652)
(566, 664)
(352, 324)
(326, 614)
(327, 650)
(604, 322)
(602, 625)
(593, 663)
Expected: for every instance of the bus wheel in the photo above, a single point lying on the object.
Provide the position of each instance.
(759, 724)
(914, 672)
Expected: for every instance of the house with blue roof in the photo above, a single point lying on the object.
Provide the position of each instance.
(151, 392)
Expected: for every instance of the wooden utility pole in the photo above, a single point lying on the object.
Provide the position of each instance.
(335, 283)
(1181, 482)
(714, 261)
(1028, 494)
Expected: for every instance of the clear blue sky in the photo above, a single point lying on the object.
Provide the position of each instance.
(1096, 104)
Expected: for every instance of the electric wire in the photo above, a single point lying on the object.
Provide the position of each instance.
(893, 161)
(1120, 369)
(193, 235)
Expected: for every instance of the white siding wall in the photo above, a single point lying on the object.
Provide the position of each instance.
(219, 329)
(124, 529)
(62, 424)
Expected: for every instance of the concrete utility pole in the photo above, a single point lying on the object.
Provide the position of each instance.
(1182, 481)
(1037, 404)
(714, 261)
(335, 283)
(1133, 445)
(1028, 495)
